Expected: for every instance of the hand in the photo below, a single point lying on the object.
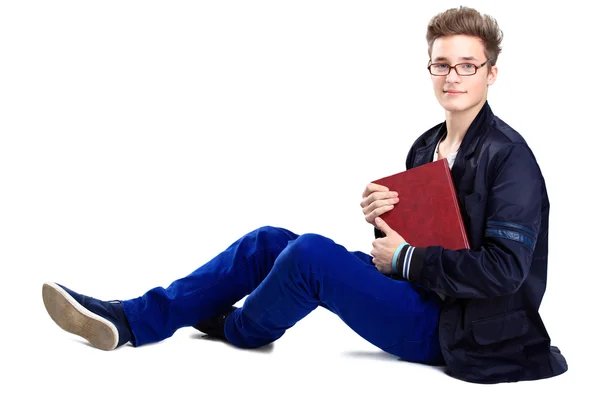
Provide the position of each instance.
(377, 200)
(384, 248)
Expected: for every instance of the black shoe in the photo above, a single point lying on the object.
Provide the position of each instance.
(102, 323)
(215, 325)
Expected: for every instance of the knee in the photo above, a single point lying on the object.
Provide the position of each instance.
(273, 237)
(309, 255)
(307, 245)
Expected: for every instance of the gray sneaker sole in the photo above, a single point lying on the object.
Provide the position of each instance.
(76, 319)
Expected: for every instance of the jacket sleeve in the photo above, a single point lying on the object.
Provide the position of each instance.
(501, 264)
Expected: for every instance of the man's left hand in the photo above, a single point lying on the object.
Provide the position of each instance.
(384, 248)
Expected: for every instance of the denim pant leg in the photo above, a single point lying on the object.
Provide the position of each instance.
(213, 287)
(396, 316)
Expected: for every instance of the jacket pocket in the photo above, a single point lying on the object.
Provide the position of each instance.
(500, 328)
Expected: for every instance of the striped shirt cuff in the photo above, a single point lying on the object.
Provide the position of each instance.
(410, 263)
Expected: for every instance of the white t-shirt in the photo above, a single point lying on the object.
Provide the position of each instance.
(451, 157)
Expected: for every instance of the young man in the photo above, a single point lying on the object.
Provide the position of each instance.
(474, 310)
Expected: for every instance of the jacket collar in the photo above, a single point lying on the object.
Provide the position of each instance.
(424, 154)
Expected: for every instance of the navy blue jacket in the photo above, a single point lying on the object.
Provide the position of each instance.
(490, 329)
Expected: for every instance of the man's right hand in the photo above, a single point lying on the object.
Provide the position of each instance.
(377, 200)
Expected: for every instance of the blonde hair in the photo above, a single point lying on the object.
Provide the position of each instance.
(467, 21)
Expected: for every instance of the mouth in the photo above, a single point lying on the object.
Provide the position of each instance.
(453, 92)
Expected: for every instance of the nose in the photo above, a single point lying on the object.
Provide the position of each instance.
(452, 76)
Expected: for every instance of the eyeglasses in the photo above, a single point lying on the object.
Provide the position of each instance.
(462, 69)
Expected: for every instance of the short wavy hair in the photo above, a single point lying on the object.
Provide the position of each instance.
(467, 21)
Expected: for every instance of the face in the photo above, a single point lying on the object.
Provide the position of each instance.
(454, 92)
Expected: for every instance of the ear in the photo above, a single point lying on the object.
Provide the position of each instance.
(493, 73)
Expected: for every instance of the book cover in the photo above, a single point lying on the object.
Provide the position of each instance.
(427, 213)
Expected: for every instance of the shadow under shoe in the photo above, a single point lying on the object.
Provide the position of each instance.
(215, 325)
(102, 323)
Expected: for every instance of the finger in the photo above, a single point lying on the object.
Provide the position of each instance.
(380, 200)
(374, 196)
(375, 254)
(373, 187)
(370, 196)
(382, 226)
(379, 195)
(377, 212)
(377, 263)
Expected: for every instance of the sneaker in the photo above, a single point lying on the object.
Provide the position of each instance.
(215, 325)
(102, 323)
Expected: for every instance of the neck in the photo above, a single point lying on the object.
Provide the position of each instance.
(457, 124)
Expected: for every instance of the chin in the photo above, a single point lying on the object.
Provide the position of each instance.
(456, 104)
(453, 107)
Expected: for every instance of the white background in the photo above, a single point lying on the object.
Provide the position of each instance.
(140, 138)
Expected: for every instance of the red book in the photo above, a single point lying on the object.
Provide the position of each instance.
(427, 213)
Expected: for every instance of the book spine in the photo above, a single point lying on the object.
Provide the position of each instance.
(456, 206)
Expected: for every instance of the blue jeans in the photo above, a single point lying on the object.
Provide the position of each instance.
(286, 277)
